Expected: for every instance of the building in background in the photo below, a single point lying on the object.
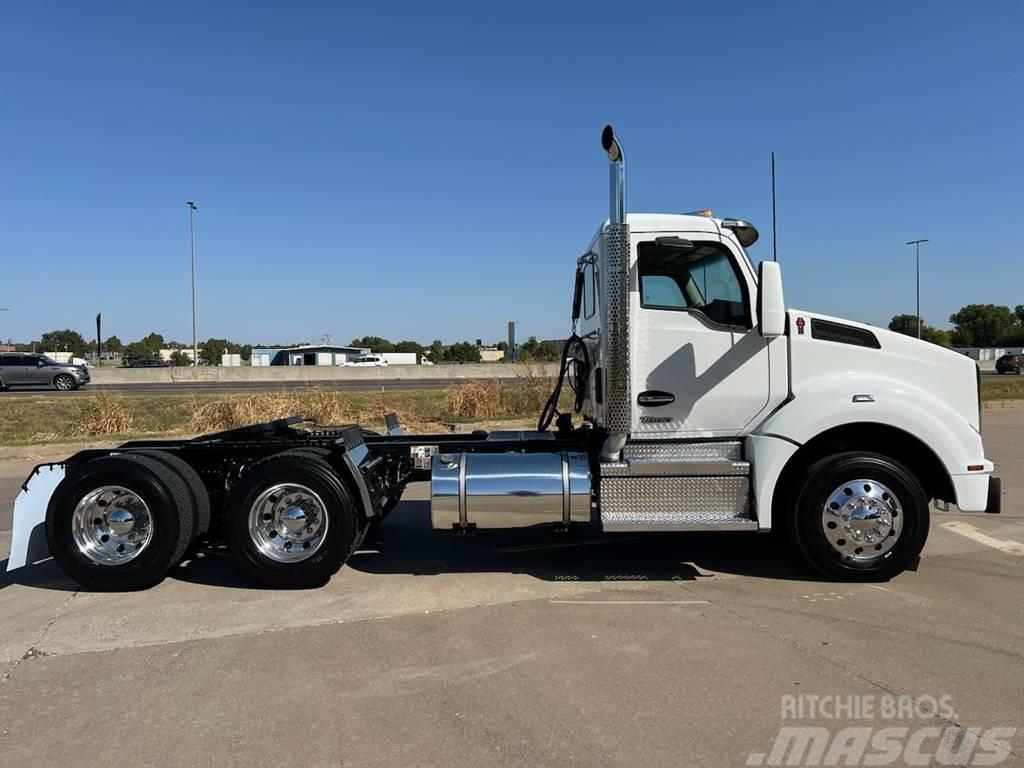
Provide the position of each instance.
(307, 354)
(491, 355)
(167, 354)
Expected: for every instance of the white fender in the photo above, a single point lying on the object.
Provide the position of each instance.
(28, 532)
(833, 402)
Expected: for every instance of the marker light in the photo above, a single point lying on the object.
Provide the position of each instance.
(745, 232)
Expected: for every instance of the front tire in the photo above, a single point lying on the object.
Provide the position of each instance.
(859, 517)
(118, 523)
(290, 521)
(64, 383)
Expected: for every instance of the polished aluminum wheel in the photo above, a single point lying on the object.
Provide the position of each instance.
(64, 383)
(862, 519)
(111, 525)
(288, 523)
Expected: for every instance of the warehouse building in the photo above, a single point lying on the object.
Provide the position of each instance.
(309, 354)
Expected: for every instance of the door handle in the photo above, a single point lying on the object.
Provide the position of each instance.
(654, 398)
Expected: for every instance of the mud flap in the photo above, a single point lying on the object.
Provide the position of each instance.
(28, 531)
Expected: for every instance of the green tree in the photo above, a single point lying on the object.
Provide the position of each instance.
(64, 341)
(113, 345)
(436, 351)
(376, 343)
(146, 348)
(179, 359)
(533, 351)
(982, 325)
(1019, 312)
(907, 325)
(212, 349)
(462, 352)
(410, 346)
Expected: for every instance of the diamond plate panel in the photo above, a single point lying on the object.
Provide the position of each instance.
(726, 450)
(675, 503)
(615, 295)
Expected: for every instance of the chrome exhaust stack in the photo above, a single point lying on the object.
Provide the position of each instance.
(615, 304)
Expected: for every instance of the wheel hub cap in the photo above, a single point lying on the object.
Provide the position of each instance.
(862, 520)
(111, 525)
(288, 522)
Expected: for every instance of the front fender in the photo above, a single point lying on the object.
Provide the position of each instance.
(828, 403)
(28, 531)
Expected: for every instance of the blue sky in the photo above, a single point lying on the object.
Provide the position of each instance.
(432, 170)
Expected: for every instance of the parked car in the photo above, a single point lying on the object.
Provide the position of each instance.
(368, 361)
(1010, 364)
(23, 369)
(151, 364)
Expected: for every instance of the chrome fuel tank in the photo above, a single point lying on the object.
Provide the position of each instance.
(509, 490)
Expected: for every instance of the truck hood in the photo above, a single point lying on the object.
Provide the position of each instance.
(824, 346)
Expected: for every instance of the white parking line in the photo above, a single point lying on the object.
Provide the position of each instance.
(1009, 546)
(631, 602)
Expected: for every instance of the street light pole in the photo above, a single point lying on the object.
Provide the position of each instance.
(917, 258)
(192, 244)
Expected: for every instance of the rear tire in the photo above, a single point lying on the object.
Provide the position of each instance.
(290, 521)
(200, 496)
(859, 517)
(119, 524)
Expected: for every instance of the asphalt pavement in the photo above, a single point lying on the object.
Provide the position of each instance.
(525, 649)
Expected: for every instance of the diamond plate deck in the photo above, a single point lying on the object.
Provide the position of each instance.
(731, 450)
(652, 459)
(676, 504)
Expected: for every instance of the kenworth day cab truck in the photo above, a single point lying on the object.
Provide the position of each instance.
(701, 404)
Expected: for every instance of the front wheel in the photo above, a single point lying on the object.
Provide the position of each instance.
(64, 383)
(860, 517)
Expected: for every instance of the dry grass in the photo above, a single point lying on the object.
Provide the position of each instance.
(1006, 387)
(497, 398)
(103, 415)
(32, 419)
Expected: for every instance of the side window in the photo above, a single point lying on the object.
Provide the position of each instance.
(703, 279)
(589, 291)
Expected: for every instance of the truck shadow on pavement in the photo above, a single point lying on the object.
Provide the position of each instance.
(406, 544)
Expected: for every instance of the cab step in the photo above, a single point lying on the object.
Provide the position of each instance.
(663, 486)
(655, 459)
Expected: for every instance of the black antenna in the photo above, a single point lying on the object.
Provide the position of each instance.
(775, 255)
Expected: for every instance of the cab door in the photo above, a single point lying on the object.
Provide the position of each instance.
(699, 366)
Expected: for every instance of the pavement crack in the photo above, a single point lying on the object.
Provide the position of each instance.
(34, 652)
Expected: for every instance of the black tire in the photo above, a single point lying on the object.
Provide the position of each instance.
(64, 382)
(806, 526)
(169, 503)
(301, 468)
(200, 496)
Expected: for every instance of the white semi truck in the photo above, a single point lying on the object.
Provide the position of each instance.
(700, 403)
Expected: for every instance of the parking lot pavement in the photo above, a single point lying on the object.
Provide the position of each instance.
(521, 649)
